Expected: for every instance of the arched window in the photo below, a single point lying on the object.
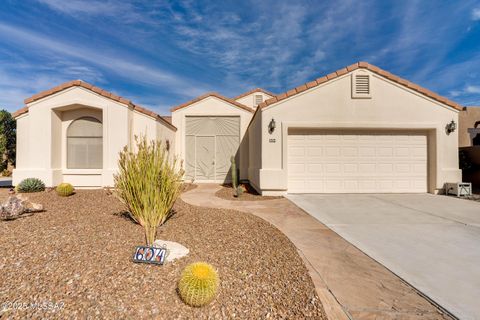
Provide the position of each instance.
(85, 144)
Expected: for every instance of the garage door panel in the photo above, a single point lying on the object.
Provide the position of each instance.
(315, 168)
(357, 163)
(296, 168)
(314, 151)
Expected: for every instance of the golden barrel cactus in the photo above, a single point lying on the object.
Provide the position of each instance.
(64, 189)
(198, 284)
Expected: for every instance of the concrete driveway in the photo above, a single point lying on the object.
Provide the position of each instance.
(432, 242)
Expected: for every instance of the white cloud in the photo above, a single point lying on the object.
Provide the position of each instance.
(472, 89)
(125, 12)
(476, 14)
(83, 7)
(122, 67)
(469, 92)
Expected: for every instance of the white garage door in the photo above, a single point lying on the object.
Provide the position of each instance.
(356, 162)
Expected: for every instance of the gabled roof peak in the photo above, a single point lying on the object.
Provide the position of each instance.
(253, 91)
(367, 66)
(212, 94)
(97, 90)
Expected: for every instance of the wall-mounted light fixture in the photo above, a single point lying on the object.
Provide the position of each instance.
(167, 145)
(450, 127)
(271, 126)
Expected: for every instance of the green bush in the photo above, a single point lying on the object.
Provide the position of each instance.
(198, 284)
(30, 185)
(64, 189)
(148, 183)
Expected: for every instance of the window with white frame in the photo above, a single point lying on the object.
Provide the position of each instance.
(85, 144)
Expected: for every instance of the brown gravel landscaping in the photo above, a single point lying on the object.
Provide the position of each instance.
(250, 195)
(77, 254)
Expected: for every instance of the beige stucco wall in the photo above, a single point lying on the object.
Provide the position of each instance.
(249, 100)
(41, 136)
(212, 106)
(466, 120)
(330, 105)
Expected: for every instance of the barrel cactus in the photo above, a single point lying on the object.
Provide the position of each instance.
(65, 189)
(30, 185)
(198, 284)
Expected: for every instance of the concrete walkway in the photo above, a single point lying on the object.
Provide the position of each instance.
(350, 284)
(432, 242)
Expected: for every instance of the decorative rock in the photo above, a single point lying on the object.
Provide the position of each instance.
(30, 206)
(17, 206)
(174, 250)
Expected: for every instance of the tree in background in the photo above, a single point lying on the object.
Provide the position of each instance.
(8, 129)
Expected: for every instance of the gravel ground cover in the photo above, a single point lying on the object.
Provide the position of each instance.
(250, 195)
(77, 254)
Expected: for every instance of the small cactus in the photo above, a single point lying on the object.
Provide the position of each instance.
(234, 173)
(30, 185)
(236, 191)
(65, 189)
(198, 284)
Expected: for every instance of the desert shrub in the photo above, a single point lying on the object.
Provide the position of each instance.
(64, 189)
(198, 284)
(7, 139)
(148, 183)
(30, 185)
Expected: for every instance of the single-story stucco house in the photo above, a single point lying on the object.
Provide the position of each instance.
(357, 130)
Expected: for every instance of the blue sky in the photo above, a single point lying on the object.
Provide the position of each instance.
(163, 53)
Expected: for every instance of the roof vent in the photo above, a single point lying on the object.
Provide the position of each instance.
(258, 99)
(361, 85)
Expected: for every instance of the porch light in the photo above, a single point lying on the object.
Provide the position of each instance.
(271, 126)
(451, 127)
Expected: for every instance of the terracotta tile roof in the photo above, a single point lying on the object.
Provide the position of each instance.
(20, 112)
(97, 90)
(212, 94)
(361, 65)
(253, 91)
(167, 118)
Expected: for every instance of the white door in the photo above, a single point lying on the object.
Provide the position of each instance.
(370, 162)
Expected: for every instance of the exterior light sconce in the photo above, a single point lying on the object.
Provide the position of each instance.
(167, 145)
(450, 127)
(271, 126)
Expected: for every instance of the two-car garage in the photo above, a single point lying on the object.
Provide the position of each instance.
(357, 130)
(353, 161)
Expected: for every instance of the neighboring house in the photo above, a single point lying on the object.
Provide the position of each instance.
(469, 127)
(357, 130)
(469, 144)
(74, 133)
